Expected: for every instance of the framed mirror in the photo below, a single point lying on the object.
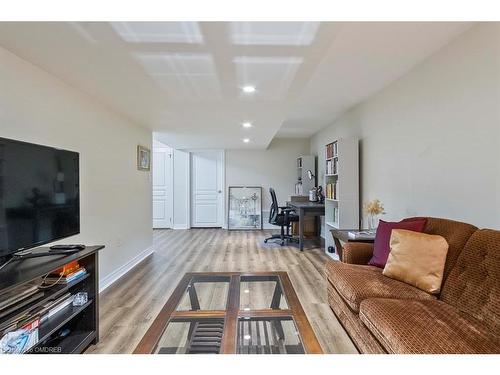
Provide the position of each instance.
(244, 208)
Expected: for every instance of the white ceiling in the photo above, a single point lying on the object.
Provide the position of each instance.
(183, 80)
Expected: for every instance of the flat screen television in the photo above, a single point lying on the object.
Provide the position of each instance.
(39, 195)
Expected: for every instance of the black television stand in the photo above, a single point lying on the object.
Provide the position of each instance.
(82, 322)
(28, 254)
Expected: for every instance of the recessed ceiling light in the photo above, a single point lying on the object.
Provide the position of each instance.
(246, 140)
(247, 291)
(247, 337)
(247, 125)
(248, 89)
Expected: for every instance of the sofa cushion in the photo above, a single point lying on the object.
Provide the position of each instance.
(455, 233)
(362, 338)
(432, 327)
(473, 285)
(356, 283)
(381, 246)
(417, 259)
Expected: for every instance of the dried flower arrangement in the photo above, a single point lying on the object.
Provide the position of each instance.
(374, 207)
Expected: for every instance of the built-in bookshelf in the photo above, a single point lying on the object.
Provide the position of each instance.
(304, 184)
(341, 172)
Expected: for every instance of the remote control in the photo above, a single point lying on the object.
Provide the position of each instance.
(67, 247)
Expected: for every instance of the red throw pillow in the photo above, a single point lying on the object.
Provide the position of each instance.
(381, 247)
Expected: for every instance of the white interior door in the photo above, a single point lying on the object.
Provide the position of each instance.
(207, 203)
(162, 187)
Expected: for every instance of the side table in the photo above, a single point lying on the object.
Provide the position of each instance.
(342, 235)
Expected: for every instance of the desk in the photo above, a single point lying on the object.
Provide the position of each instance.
(306, 209)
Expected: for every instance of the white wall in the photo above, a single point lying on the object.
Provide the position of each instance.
(430, 142)
(274, 167)
(115, 197)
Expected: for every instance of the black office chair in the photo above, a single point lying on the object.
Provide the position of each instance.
(282, 217)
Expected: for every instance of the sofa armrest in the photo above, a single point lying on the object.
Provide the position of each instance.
(357, 252)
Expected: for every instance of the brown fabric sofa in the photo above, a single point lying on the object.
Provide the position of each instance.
(383, 315)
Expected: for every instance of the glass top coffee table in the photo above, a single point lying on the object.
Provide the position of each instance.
(231, 313)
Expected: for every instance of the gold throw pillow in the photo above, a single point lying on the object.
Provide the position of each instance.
(417, 259)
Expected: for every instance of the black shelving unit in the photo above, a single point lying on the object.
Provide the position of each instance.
(81, 321)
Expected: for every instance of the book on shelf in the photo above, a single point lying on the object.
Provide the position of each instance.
(328, 149)
(332, 166)
(14, 323)
(17, 321)
(331, 150)
(26, 301)
(332, 190)
(67, 269)
(52, 307)
(58, 279)
(18, 294)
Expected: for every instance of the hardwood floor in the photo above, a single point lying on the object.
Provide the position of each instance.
(129, 306)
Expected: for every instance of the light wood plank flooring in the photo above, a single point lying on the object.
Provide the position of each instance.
(129, 306)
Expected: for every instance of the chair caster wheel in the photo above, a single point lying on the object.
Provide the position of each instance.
(282, 243)
(265, 241)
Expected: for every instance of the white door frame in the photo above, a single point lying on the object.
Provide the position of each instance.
(222, 184)
(170, 182)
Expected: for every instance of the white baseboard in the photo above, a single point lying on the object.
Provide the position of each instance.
(107, 281)
(180, 226)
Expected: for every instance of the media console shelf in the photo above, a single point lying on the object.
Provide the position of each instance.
(81, 321)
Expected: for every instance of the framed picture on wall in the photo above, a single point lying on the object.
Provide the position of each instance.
(245, 208)
(143, 158)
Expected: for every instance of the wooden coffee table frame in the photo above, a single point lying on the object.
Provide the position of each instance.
(232, 313)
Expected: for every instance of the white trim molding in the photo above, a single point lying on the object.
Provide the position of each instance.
(180, 226)
(109, 280)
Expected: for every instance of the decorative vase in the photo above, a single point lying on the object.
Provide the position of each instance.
(372, 221)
